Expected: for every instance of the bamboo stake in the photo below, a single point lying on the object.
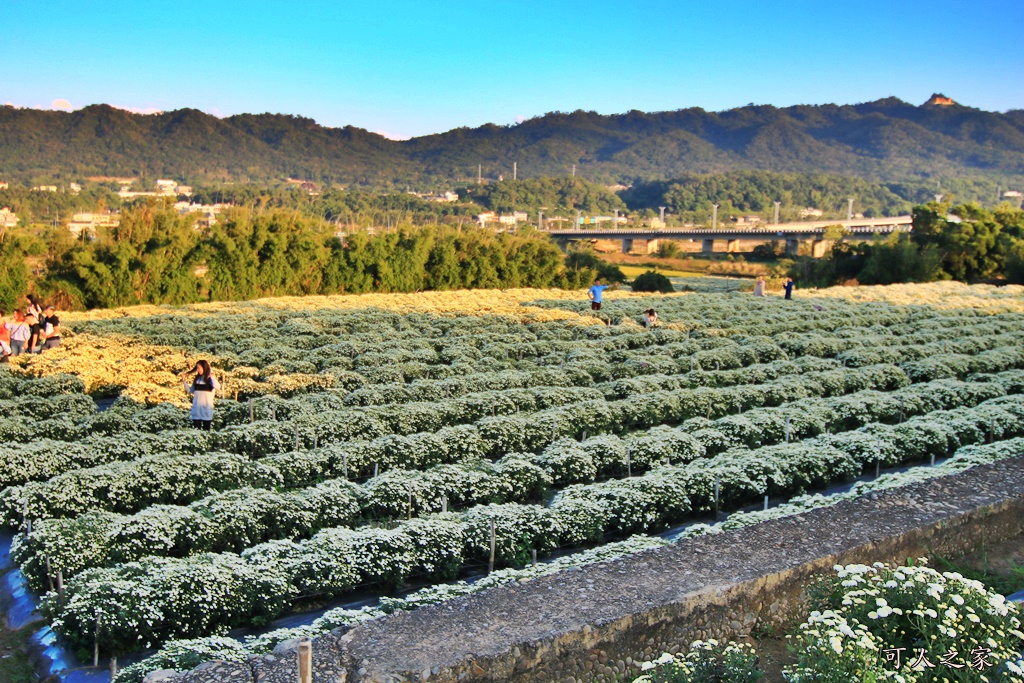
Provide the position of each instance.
(305, 661)
(490, 562)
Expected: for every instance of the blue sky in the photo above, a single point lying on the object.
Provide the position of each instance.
(413, 68)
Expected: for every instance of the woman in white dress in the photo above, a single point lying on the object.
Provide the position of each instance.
(202, 388)
(759, 286)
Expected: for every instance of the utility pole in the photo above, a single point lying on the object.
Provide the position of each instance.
(579, 219)
(540, 220)
(615, 221)
(777, 212)
(714, 216)
(849, 208)
(661, 210)
(574, 170)
(515, 170)
(479, 174)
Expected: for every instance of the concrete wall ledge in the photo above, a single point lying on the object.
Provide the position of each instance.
(598, 623)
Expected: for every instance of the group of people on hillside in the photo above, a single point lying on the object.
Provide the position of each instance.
(33, 329)
(760, 287)
(649, 318)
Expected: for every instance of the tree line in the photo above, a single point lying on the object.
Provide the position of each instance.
(157, 256)
(949, 242)
(689, 197)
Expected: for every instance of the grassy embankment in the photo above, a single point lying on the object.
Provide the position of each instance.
(634, 264)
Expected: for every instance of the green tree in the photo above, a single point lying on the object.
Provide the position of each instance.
(899, 259)
(148, 258)
(965, 237)
(652, 281)
(582, 258)
(14, 276)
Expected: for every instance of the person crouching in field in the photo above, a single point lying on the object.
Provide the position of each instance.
(595, 295)
(650, 317)
(203, 385)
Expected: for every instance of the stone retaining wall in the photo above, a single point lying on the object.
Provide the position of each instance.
(598, 623)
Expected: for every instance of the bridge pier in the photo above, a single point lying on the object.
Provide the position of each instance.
(819, 248)
(792, 247)
(707, 246)
(627, 246)
(563, 245)
(732, 246)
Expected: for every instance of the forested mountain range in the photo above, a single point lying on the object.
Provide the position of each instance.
(887, 139)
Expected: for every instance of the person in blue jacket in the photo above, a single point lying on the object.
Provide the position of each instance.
(789, 288)
(595, 295)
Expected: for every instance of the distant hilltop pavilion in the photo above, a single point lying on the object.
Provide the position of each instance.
(939, 100)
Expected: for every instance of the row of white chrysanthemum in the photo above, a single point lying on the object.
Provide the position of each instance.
(43, 458)
(132, 484)
(181, 654)
(158, 598)
(302, 417)
(239, 518)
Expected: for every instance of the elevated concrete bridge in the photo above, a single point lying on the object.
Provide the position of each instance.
(811, 233)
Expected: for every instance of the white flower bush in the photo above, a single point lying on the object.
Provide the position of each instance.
(131, 486)
(907, 623)
(704, 662)
(148, 602)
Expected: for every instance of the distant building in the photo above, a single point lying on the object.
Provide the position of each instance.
(208, 212)
(111, 179)
(3, 185)
(44, 188)
(747, 220)
(1012, 194)
(8, 219)
(504, 219)
(125, 193)
(166, 188)
(442, 197)
(184, 190)
(88, 222)
(810, 212)
(74, 188)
